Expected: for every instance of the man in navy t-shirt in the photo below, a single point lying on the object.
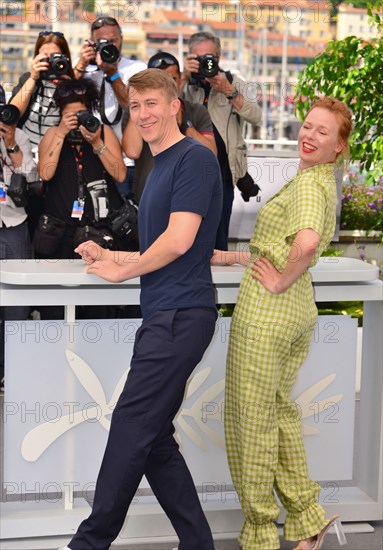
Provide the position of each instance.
(179, 214)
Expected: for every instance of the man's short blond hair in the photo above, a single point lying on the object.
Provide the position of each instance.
(154, 79)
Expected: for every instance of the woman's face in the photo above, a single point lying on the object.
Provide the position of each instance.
(318, 138)
(49, 48)
(73, 108)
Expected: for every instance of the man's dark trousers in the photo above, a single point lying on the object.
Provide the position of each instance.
(168, 346)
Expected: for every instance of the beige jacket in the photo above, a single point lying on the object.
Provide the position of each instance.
(229, 122)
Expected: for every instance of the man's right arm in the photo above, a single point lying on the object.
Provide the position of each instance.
(175, 241)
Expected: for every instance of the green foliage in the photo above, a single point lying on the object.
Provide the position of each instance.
(362, 205)
(351, 70)
(331, 252)
(355, 309)
(88, 5)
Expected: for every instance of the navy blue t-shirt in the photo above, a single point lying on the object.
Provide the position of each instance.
(185, 178)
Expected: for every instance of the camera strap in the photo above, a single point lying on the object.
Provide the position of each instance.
(104, 118)
(78, 154)
(7, 165)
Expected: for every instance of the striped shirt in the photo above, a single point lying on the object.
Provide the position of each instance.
(43, 115)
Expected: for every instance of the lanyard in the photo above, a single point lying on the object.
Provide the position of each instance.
(79, 167)
(6, 164)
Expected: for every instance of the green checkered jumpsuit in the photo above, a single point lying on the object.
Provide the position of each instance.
(269, 341)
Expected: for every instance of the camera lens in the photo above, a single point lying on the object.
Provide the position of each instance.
(85, 118)
(92, 123)
(109, 53)
(9, 114)
(60, 66)
(208, 65)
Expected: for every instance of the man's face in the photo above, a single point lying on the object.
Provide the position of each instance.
(202, 48)
(109, 32)
(154, 116)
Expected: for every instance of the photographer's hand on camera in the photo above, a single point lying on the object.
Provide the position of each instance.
(86, 56)
(15, 154)
(191, 65)
(39, 64)
(94, 138)
(68, 122)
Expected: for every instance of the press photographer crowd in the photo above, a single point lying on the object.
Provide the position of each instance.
(143, 157)
(73, 164)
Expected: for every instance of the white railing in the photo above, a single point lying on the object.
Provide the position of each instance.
(272, 147)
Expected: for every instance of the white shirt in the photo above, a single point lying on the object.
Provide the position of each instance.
(10, 215)
(43, 114)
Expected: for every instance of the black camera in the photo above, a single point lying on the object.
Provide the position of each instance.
(58, 65)
(87, 119)
(208, 66)
(9, 114)
(109, 53)
(20, 189)
(123, 222)
(248, 187)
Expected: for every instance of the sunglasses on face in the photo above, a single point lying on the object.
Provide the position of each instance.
(66, 92)
(101, 21)
(156, 63)
(47, 33)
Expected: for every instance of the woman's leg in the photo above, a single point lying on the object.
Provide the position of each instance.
(297, 492)
(252, 431)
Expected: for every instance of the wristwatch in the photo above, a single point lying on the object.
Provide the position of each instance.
(14, 149)
(233, 94)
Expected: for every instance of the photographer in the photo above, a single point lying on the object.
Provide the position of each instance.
(15, 158)
(101, 60)
(33, 95)
(77, 159)
(229, 107)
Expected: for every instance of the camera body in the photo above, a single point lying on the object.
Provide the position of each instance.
(88, 120)
(123, 222)
(208, 66)
(109, 53)
(58, 65)
(20, 189)
(9, 114)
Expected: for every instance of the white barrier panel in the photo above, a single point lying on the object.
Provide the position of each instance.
(64, 381)
(271, 174)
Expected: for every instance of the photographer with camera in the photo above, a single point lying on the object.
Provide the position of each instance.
(33, 95)
(16, 162)
(101, 60)
(223, 94)
(78, 159)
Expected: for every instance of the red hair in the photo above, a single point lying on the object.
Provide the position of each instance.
(343, 115)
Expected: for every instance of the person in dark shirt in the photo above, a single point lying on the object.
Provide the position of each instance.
(193, 120)
(178, 218)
